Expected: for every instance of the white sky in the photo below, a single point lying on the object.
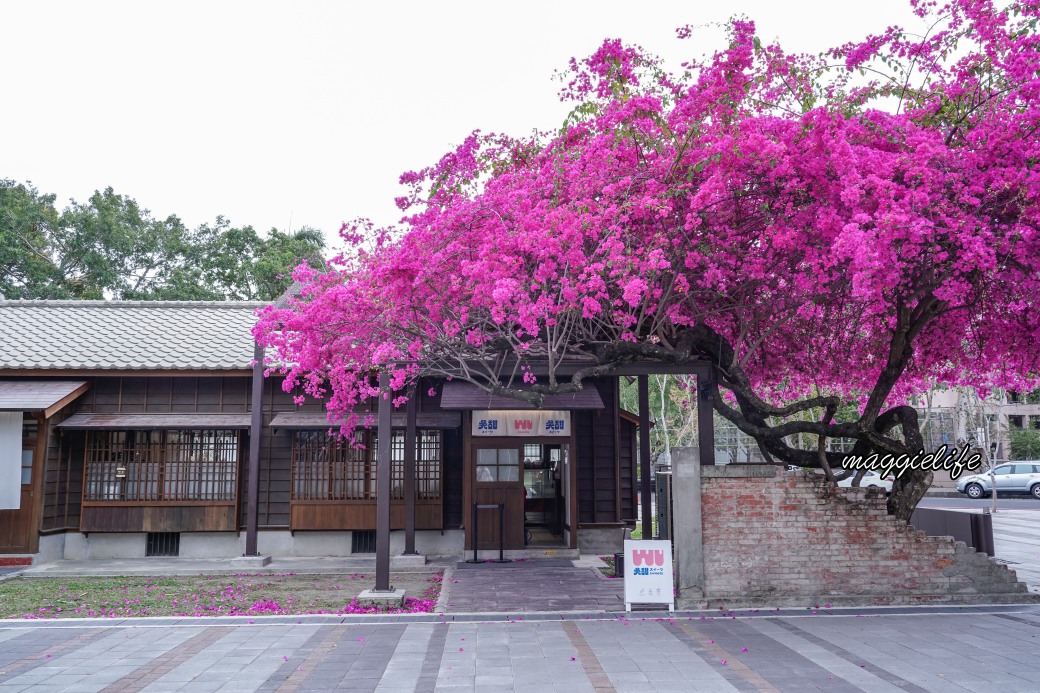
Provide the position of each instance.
(268, 112)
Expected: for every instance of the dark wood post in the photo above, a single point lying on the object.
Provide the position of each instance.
(409, 474)
(255, 431)
(383, 472)
(705, 418)
(644, 456)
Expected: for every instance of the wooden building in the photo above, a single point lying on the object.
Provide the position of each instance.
(126, 429)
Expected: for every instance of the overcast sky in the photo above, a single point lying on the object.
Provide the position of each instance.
(306, 113)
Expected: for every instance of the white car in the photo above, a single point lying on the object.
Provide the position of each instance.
(871, 479)
(1014, 477)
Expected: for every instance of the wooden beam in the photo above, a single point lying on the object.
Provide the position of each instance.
(705, 419)
(255, 431)
(644, 456)
(409, 474)
(383, 468)
(61, 403)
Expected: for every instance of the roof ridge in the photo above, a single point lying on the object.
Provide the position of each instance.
(67, 303)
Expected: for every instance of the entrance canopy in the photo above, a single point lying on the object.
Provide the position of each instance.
(312, 420)
(47, 396)
(462, 395)
(153, 421)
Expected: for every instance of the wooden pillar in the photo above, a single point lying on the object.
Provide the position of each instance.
(644, 456)
(383, 471)
(409, 474)
(705, 418)
(256, 427)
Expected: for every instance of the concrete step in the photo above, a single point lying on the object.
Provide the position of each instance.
(528, 553)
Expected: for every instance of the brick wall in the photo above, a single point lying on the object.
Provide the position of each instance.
(789, 538)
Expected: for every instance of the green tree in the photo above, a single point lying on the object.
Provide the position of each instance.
(1025, 444)
(226, 263)
(111, 247)
(27, 219)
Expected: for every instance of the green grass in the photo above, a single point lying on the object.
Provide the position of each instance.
(203, 595)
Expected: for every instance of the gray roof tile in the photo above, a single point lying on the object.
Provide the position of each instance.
(126, 335)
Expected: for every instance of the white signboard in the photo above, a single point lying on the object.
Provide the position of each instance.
(529, 424)
(648, 573)
(10, 460)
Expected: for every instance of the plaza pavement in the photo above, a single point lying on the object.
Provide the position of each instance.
(538, 627)
(873, 650)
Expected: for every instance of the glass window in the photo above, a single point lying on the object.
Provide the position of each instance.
(1004, 469)
(27, 456)
(498, 464)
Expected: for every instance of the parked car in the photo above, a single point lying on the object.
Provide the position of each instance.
(871, 479)
(1013, 477)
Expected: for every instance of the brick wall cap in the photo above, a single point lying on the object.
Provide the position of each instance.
(724, 471)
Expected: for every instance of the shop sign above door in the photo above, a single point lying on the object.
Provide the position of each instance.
(537, 423)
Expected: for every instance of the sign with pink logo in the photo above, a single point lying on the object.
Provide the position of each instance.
(648, 573)
(539, 423)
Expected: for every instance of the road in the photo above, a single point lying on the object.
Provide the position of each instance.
(1003, 503)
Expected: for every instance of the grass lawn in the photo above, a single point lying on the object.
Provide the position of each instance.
(206, 595)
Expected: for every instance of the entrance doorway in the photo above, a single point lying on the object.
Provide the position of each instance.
(17, 528)
(543, 489)
(531, 479)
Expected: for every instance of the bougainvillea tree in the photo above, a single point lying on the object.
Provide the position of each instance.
(846, 228)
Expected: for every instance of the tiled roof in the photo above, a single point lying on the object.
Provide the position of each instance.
(126, 335)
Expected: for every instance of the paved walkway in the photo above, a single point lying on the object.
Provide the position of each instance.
(873, 650)
(529, 586)
(480, 640)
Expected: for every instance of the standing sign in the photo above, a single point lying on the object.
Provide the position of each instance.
(648, 573)
(534, 423)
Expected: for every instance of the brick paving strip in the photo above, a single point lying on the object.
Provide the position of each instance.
(1019, 619)
(319, 652)
(732, 665)
(589, 661)
(45, 656)
(168, 661)
(882, 674)
(431, 665)
(524, 587)
(321, 637)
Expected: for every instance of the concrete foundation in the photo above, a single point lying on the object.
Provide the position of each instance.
(52, 548)
(272, 543)
(393, 598)
(601, 541)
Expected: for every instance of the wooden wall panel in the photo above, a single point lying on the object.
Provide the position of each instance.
(452, 481)
(627, 451)
(360, 515)
(597, 458)
(63, 476)
(159, 398)
(158, 518)
(183, 394)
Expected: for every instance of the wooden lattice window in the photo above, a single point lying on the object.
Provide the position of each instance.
(329, 468)
(428, 458)
(161, 466)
